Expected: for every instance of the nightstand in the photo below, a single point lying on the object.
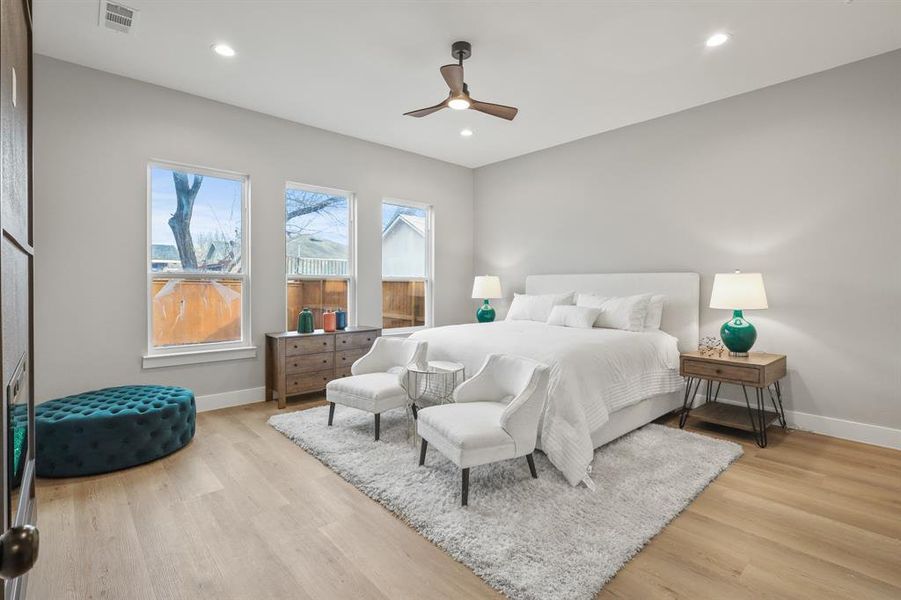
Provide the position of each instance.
(758, 370)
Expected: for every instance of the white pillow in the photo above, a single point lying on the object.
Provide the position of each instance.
(582, 317)
(655, 313)
(535, 307)
(627, 313)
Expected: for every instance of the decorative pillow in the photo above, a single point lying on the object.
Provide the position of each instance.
(655, 313)
(535, 307)
(582, 317)
(627, 312)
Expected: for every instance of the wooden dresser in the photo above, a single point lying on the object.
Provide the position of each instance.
(299, 363)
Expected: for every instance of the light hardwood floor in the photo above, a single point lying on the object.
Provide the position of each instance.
(243, 513)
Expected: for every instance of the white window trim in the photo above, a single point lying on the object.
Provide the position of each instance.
(207, 352)
(429, 278)
(351, 277)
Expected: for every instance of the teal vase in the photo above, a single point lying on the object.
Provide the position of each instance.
(305, 321)
(485, 314)
(738, 335)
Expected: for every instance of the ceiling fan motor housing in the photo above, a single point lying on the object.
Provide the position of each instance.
(461, 50)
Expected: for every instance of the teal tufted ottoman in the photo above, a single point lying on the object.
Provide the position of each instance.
(111, 429)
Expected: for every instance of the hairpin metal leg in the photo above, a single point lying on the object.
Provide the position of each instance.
(761, 415)
(778, 407)
(688, 400)
(759, 430)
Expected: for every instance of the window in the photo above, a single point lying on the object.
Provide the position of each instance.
(406, 265)
(198, 276)
(318, 251)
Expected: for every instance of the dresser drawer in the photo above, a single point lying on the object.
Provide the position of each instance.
(703, 369)
(308, 363)
(342, 372)
(364, 339)
(309, 345)
(308, 382)
(346, 358)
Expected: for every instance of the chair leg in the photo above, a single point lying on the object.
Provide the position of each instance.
(425, 445)
(466, 486)
(378, 421)
(331, 413)
(532, 466)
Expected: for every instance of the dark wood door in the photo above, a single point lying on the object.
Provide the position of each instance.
(18, 536)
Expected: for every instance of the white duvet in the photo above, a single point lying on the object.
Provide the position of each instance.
(593, 372)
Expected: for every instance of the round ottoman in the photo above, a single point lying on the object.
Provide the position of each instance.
(111, 429)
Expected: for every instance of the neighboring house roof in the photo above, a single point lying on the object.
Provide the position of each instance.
(164, 252)
(308, 246)
(413, 221)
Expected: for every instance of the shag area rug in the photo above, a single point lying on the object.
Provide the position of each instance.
(528, 538)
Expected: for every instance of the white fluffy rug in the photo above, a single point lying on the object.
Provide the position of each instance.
(530, 539)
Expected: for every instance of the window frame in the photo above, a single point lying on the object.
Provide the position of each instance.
(429, 278)
(205, 351)
(351, 277)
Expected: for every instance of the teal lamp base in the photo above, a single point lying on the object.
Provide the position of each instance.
(485, 314)
(738, 335)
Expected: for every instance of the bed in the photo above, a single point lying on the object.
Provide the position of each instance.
(603, 382)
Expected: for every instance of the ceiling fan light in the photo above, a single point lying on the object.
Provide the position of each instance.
(459, 103)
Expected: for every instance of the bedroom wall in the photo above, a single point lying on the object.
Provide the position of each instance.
(94, 133)
(800, 181)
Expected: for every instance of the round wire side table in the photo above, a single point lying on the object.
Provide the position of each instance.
(434, 382)
(430, 384)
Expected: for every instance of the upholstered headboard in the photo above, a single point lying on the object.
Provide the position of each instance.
(681, 309)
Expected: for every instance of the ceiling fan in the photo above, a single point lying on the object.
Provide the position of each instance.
(459, 98)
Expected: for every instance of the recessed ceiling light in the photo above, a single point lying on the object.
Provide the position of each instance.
(223, 50)
(466, 132)
(717, 39)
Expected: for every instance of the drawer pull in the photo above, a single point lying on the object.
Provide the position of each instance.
(719, 371)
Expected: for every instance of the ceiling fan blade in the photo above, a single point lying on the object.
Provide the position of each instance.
(453, 75)
(495, 110)
(422, 112)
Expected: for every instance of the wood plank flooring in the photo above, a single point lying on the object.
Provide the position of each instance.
(243, 513)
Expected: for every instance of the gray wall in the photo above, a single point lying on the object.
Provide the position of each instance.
(800, 181)
(94, 133)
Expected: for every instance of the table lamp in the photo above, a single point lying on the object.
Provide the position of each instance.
(738, 292)
(485, 287)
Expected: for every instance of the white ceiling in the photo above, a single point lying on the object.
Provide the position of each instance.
(573, 68)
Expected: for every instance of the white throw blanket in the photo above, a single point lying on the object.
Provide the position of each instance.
(593, 372)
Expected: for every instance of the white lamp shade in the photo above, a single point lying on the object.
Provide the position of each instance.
(738, 291)
(487, 286)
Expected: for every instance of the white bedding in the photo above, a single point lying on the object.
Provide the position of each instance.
(593, 372)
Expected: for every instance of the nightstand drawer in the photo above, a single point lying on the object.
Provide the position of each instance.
(309, 345)
(711, 370)
(307, 363)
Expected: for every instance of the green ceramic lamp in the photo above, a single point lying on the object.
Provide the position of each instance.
(486, 287)
(738, 292)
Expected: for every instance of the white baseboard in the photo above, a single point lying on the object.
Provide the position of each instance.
(226, 399)
(865, 433)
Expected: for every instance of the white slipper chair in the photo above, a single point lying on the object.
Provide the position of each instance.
(494, 416)
(377, 379)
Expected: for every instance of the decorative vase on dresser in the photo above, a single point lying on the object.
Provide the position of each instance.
(300, 363)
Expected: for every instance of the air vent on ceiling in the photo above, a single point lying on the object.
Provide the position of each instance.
(116, 16)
